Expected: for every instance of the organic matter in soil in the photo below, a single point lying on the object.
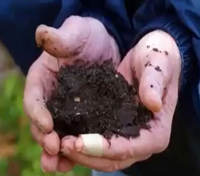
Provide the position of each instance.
(96, 99)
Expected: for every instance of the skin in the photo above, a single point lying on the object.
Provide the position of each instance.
(154, 61)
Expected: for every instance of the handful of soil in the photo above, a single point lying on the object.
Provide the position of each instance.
(96, 99)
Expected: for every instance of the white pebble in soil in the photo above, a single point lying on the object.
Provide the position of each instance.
(77, 99)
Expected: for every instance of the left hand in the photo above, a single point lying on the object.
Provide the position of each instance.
(155, 62)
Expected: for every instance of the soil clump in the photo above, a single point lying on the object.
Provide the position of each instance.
(96, 99)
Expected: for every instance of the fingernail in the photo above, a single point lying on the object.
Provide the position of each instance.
(65, 151)
(46, 148)
(156, 103)
(65, 138)
(43, 169)
(40, 127)
(79, 145)
(61, 153)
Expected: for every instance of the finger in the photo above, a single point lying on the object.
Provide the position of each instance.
(34, 103)
(67, 41)
(52, 143)
(64, 165)
(108, 161)
(100, 164)
(52, 40)
(68, 142)
(91, 144)
(96, 145)
(154, 79)
(156, 139)
(49, 163)
(37, 134)
(117, 148)
(68, 147)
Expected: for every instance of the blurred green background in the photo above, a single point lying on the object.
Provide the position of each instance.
(19, 154)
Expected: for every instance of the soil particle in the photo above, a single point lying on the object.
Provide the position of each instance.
(166, 53)
(158, 69)
(155, 49)
(96, 99)
(148, 62)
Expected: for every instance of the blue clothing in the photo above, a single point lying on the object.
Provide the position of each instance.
(95, 173)
(127, 21)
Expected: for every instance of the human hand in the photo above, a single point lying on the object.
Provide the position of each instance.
(155, 62)
(84, 39)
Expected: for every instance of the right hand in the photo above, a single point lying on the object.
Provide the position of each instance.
(78, 38)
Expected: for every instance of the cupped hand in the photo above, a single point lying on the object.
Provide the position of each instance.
(155, 63)
(82, 39)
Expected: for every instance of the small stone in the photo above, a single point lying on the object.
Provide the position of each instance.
(77, 99)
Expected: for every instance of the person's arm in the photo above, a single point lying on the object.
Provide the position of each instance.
(18, 22)
(182, 25)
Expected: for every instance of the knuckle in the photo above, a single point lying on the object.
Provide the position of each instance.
(125, 157)
(115, 167)
(111, 168)
(130, 154)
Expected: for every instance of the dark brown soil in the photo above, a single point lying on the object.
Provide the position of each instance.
(96, 99)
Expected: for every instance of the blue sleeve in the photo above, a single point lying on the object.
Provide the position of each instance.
(162, 15)
(19, 20)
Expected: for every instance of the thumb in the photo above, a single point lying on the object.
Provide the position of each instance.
(155, 76)
(68, 40)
